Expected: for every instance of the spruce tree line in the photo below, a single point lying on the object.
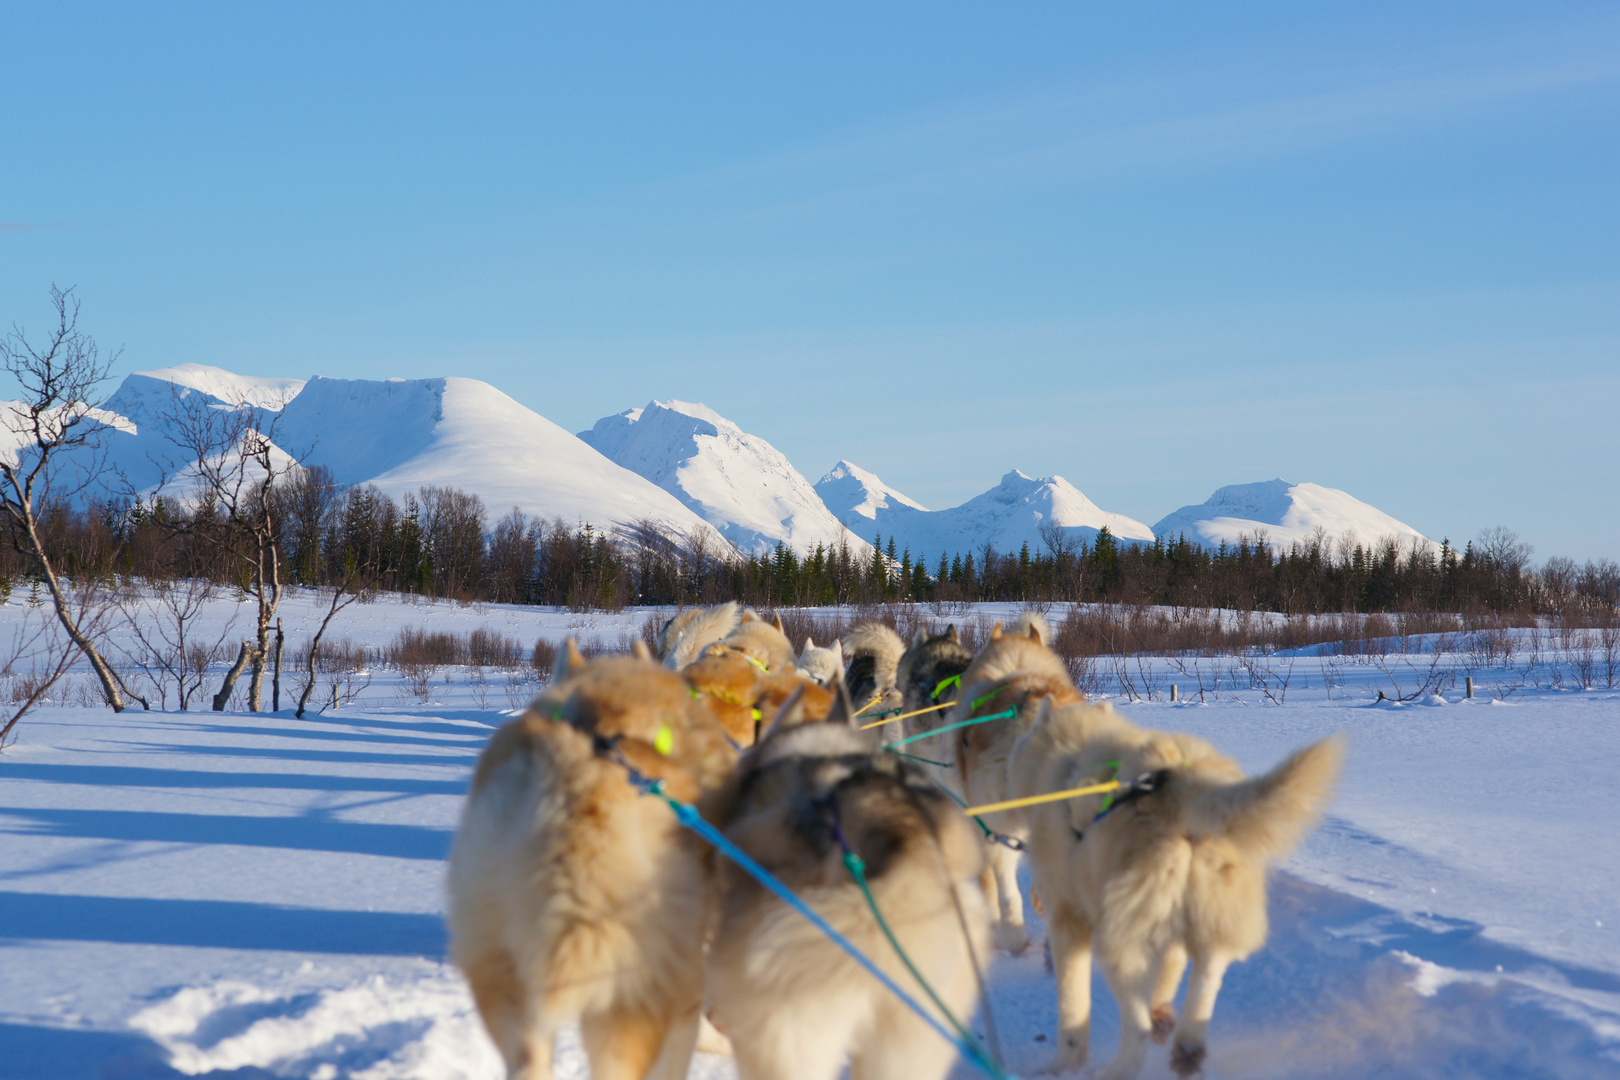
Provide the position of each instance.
(437, 542)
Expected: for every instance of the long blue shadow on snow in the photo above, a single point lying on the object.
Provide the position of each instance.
(307, 833)
(217, 924)
(469, 739)
(30, 1052)
(461, 758)
(135, 776)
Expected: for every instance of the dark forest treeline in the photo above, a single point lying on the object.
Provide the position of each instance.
(439, 542)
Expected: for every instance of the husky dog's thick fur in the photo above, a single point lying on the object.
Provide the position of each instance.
(872, 652)
(1165, 876)
(824, 665)
(684, 637)
(929, 662)
(793, 1004)
(1015, 671)
(764, 642)
(571, 895)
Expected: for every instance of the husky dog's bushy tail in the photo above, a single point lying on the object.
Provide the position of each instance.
(872, 654)
(1265, 816)
(684, 637)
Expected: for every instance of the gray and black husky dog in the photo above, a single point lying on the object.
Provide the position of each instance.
(794, 1005)
(930, 674)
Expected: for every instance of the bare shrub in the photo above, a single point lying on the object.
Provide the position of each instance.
(167, 650)
(544, 657)
(491, 648)
(418, 648)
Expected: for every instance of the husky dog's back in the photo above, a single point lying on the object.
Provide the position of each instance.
(573, 896)
(1152, 879)
(793, 1004)
(1014, 672)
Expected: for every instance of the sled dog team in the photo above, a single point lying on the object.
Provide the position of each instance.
(575, 896)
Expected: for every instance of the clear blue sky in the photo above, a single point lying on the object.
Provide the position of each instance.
(1155, 249)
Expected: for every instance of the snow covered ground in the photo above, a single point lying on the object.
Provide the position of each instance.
(250, 895)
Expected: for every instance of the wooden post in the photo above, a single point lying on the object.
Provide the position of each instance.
(275, 676)
(1469, 684)
(1172, 691)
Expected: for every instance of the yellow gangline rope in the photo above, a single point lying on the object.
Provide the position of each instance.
(1031, 800)
(902, 716)
(875, 699)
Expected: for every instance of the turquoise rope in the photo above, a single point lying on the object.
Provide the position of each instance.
(688, 816)
(951, 727)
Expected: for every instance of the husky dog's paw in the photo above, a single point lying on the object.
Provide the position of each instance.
(1120, 1069)
(1164, 1022)
(1067, 1060)
(1010, 938)
(1186, 1061)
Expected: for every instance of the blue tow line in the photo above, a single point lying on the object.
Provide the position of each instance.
(687, 815)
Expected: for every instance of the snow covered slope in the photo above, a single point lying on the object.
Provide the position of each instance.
(1286, 513)
(853, 494)
(403, 433)
(1009, 515)
(739, 483)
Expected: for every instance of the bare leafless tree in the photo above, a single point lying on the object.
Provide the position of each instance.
(358, 580)
(234, 469)
(167, 647)
(58, 452)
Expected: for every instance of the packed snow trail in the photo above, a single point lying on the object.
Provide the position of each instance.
(252, 895)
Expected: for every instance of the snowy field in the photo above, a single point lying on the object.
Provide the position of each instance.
(250, 895)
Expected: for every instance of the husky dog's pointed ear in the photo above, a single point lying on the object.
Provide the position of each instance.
(919, 638)
(843, 710)
(639, 650)
(952, 636)
(569, 660)
(809, 643)
(1034, 632)
(791, 712)
(838, 658)
(995, 631)
(749, 615)
(777, 622)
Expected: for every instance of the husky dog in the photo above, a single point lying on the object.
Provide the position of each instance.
(927, 676)
(793, 1004)
(824, 665)
(1169, 874)
(683, 638)
(571, 895)
(1015, 671)
(873, 652)
(763, 642)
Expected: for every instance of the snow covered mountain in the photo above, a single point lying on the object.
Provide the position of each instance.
(400, 434)
(737, 482)
(852, 493)
(397, 434)
(1286, 513)
(1008, 516)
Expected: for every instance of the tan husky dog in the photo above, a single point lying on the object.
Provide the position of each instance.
(794, 1005)
(571, 894)
(1015, 671)
(1167, 874)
